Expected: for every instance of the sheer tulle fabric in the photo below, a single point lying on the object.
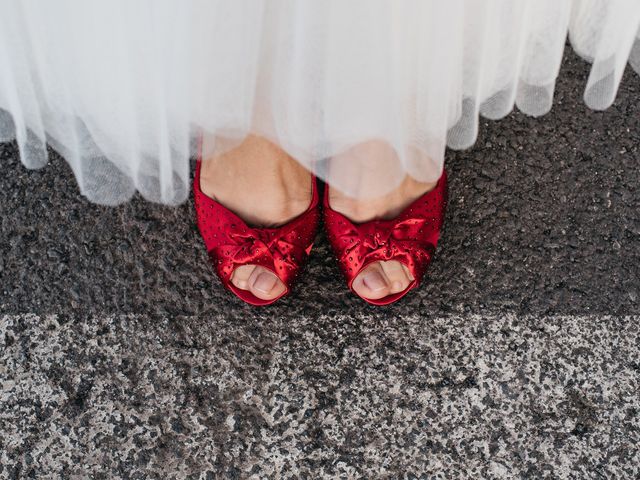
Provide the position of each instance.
(362, 92)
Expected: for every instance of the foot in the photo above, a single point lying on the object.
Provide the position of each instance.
(263, 185)
(383, 278)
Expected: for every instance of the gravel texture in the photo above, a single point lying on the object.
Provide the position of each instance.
(122, 357)
(330, 396)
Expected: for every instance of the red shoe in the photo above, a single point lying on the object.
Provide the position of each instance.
(410, 238)
(232, 243)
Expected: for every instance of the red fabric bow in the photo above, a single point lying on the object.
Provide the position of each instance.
(410, 241)
(266, 247)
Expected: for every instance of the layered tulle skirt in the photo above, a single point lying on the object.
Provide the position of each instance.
(362, 92)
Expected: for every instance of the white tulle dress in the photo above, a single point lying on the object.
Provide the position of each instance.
(362, 92)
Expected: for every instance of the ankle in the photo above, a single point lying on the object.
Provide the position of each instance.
(259, 182)
(384, 207)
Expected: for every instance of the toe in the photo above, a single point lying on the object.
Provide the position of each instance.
(372, 282)
(264, 284)
(398, 275)
(240, 276)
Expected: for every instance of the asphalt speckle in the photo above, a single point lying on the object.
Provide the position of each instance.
(215, 396)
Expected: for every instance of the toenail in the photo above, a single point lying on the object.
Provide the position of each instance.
(374, 281)
(265, 282)
(396, 286)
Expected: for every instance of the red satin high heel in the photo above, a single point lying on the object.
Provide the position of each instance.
(410, 238)
(231, 243)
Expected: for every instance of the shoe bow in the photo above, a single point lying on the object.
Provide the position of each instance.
(280, 251)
